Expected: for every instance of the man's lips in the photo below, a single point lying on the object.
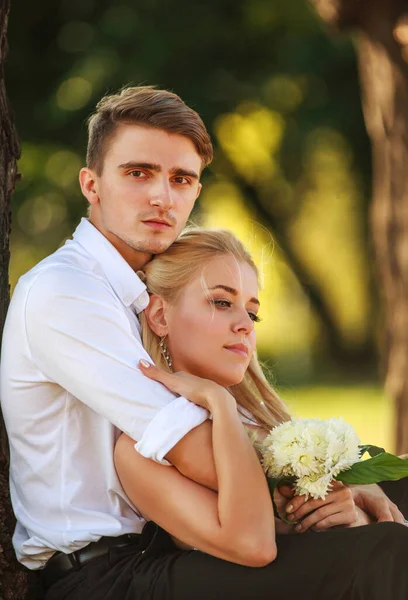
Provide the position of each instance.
(157, 223)
(238, 349)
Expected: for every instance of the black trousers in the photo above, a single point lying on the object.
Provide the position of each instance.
(363, 563)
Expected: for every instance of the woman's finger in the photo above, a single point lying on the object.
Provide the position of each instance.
(168, 379)
(297, 511)
(287, 491)
(328, 516)
(196, 389)
(336, 520)
(314, 504)
(299, 501)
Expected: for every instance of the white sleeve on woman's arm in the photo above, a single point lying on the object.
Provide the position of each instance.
(80, 337)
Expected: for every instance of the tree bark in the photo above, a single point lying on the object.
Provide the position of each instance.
(13, 581)
(382, 48)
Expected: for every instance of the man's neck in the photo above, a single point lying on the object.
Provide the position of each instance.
(136, 259)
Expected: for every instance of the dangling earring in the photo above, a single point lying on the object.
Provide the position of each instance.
(165, 352)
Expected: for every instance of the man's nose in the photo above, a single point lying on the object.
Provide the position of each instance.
(162, 195)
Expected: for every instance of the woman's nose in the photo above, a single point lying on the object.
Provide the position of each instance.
(244, 323)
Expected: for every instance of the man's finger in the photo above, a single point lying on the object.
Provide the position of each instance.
(384, 512)
(397, 514)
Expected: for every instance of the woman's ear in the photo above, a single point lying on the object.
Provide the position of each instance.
(156, 315)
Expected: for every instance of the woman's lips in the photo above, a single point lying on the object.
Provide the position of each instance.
(240, 349)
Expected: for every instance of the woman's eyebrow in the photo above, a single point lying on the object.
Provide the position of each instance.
(232, 291)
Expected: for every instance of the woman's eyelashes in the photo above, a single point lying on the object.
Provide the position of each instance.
(227, 304)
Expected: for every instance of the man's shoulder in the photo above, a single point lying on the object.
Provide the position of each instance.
(69, 267)
(70, 255)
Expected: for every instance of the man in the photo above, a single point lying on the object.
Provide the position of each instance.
(69, 376)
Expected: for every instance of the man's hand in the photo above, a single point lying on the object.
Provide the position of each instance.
(372, 500)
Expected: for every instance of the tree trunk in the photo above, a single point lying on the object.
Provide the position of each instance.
(382, 47)
(13, 581)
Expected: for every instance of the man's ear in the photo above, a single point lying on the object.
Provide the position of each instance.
(156, 314)
(87, 180)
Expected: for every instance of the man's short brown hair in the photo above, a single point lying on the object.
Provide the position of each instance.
(149, 107)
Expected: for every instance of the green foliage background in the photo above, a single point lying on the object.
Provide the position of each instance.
(292, 169)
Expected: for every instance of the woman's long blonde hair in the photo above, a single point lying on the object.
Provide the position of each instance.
(167, 275)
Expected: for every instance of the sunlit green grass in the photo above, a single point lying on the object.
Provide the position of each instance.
(365, 406)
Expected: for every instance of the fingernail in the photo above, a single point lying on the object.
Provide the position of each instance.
(298, 528)
(144, 363)
(289, 508)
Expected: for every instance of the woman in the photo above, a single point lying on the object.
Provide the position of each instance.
(199, 330)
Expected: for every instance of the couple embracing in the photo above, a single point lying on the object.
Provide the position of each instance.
(129, 381)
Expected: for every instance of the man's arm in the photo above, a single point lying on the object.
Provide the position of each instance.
(80, 337)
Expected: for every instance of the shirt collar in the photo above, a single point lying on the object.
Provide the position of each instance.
(125, 282)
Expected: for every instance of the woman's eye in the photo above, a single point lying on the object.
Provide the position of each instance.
(222, 303)
(254, 317)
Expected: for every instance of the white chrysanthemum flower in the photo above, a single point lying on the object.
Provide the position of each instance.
(311, 450)
(317, 488)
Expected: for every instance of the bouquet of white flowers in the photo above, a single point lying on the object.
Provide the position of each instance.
(310, 454)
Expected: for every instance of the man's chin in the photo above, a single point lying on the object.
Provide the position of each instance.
(154, 247)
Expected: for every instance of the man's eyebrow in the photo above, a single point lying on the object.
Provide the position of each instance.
(140, 165)
(232, 291)
(177, 171)
(180, 172)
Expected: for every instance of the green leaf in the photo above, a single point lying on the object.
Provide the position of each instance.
(382, 467)
(372, 450)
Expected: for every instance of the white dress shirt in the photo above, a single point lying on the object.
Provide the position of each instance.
(69, 385)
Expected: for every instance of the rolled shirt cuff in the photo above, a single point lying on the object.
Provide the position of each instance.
(168, 427)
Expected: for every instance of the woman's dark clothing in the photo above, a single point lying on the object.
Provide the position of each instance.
(397, 491)
(362, 563)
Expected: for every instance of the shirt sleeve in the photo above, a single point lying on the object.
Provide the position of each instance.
(80, 337)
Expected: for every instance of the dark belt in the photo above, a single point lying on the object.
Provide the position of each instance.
(61, 564)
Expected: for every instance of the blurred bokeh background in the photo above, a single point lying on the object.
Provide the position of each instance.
(291, 174)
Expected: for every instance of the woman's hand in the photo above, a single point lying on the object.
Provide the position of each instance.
(281, 502)
(202, 392)
(337, 509)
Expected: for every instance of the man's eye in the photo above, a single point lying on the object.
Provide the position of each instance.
(136, 174)
(182, 180)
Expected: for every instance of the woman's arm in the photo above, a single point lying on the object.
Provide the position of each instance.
(237, 524)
